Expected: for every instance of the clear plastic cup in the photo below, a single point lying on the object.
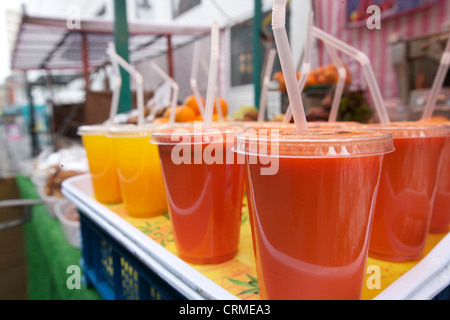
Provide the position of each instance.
(139, 170)
(440, 219)
(204, 188)
(312, 216)
(337, 124)
(102, 163)
(407, 188)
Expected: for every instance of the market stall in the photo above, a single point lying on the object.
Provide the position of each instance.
(193, 204)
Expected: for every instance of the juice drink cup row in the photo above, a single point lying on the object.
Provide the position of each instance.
(326, 201)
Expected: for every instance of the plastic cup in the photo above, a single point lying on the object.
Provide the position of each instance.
(440, 219)
(204, 188)
(102, 163)
(407, 188)
(139, 170)
(312, 217)
(329, 125)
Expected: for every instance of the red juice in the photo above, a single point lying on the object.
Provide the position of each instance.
(205, 199)
(311, 220)
(440, 220)
(407, 187)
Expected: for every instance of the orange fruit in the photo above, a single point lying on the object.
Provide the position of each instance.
(185, 114)
(160, 120)
(312, 79)
(224, 106)
(169, 110)
(191, 102)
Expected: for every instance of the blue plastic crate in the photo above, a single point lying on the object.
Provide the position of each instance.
(114, 272)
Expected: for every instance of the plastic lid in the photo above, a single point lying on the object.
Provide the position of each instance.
(131, 130)
(318, 143)
(412, 129)
(267, 124)
(93, 130)
(196, 135)
(337, 124)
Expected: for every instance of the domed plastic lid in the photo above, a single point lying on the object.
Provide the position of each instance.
(196, 135)
(93, 130)
(412, 129)
(337, 124)
(131, 130)
(317, 143)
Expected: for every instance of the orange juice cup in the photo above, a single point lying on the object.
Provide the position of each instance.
(139, 170)
(407, 189)
(312, 197)
(204, 189)
(102, 163)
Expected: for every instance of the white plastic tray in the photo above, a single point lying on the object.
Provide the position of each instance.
(424, 281)
(177, 273)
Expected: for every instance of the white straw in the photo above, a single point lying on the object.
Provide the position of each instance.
(212, 78)
(437, 83)
(339, 85)
(287, 65)
(265, 83)
(139, 82)
(193, 80)
(306, 65)
(366, 68)
(116, 87)
(175, 89)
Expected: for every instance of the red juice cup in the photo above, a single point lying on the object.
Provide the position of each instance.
(204, 188)
(312, 198)
(440, 219)
(407, 189)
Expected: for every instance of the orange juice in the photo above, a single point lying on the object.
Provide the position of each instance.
(311, 219)
(139, 171)
(102, 163)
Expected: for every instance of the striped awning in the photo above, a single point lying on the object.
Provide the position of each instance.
(53, 44)
(332, 17)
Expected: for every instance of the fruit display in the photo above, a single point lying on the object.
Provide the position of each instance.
(324, 75)
(189, 111)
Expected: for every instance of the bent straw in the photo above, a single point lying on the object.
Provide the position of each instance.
(212, 78)
(216, 94)
(116, 89)
(369, 75)
(175, 89)
(138, 78)
(437, 83)
(306, 65)
(339, 85)
(287, 65)
(219, 105)
(193, 80)
(266, 80)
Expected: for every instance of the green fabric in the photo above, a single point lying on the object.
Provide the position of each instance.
(49, 254)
